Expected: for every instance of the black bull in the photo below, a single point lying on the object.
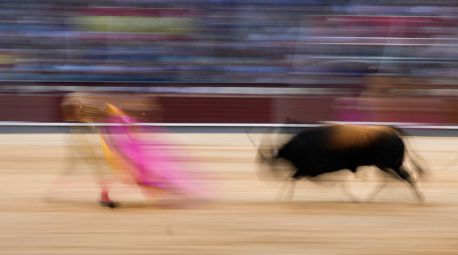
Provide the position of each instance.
(327, 149)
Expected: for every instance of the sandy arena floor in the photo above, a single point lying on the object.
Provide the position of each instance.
(244, 217)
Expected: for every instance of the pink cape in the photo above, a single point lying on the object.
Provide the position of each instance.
(152, 165)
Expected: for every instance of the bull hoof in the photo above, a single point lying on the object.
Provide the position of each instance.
(109, 204)
(420, 197)
(355, 200)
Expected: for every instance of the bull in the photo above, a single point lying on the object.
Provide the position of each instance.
(326, 149)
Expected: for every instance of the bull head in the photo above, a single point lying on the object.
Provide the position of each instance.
(269, 162)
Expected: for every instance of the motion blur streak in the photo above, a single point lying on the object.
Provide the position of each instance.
(195, 62)
(227, 41)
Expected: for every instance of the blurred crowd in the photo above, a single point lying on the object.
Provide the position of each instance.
(227, 41)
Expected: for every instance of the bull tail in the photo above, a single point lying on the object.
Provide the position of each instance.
(419, 169)
(413, 157)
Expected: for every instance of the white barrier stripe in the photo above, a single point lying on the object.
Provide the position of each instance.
(239, 125)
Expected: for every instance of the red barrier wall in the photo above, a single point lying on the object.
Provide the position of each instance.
(252, 109)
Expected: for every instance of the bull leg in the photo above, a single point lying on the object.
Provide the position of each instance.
(282, 190)
(377, 190)
(414, 187)
(291, 189)
(405, 175)
(344, 187)
(320, 180)
(287, 183)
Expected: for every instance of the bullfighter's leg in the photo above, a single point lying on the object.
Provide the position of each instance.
(103, 178)
(77, 152)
